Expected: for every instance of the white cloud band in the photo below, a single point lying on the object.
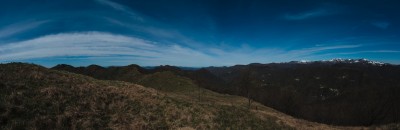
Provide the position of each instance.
(126, 49)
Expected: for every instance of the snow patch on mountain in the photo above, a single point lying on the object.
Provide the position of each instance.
(340, 60)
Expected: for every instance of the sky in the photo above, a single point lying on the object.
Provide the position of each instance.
(197, 33)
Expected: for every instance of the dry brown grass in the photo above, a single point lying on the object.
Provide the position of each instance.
(33, 97)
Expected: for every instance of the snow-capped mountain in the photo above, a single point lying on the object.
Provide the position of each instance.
(354, 61)
(340, 60)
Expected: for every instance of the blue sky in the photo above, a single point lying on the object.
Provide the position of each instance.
(197, 32)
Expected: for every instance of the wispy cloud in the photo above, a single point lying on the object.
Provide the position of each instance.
(147, 25)
(323, 10)
(156, 31)
(120, 7)
(20, 27)
(113, 5)
(99, 44)
(368, 51)
(154, 28)
(120, 49)
(312, 50)
(306, 15)
(381, 24)
(331, 47)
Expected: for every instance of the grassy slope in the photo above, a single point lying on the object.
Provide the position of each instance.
(35, 97)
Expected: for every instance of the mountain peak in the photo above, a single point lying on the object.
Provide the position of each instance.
(353, 61)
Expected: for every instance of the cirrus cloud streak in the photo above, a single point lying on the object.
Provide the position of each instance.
(107, 48)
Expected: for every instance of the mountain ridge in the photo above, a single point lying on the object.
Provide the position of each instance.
(278, 85)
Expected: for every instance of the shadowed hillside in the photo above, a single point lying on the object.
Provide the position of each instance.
(360, 93)
(341, 92)
(126, 73)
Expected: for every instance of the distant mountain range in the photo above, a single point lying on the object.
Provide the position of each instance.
(338, 91)
(347, 61)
